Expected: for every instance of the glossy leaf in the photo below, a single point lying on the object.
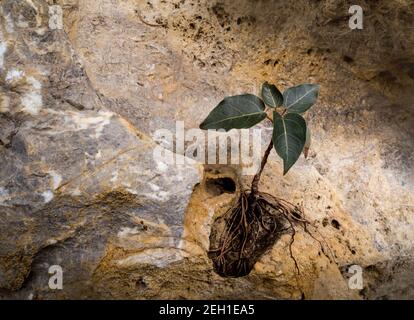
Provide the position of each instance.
(300, 98)
(237, 112)
(271, 95)
(289, 136)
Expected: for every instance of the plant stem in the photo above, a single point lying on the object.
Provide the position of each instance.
(256, 179)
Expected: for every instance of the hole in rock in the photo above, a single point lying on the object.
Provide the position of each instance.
(141, 284)
(219, 186)
(348, 59)
(335, 224)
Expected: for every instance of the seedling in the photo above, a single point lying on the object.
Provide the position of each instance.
(256, 220)
(291, 135)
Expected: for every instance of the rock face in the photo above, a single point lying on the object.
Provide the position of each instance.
(81, 187)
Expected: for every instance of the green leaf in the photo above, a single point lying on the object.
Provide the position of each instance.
(307, 142)
(300, 98)
(271, 95)
(237, 112)
(289, 136)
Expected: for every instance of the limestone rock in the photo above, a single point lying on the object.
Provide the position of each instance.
(80, 186)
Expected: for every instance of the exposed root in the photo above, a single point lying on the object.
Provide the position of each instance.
(297, 216)
(252, 226)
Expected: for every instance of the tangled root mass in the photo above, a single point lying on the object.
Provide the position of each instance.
(247, 230)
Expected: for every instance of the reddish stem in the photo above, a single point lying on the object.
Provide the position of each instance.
(256, 179)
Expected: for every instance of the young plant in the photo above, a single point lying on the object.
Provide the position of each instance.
(257, 219)
(291, 135)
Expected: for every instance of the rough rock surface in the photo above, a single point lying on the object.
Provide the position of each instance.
(80, 188)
